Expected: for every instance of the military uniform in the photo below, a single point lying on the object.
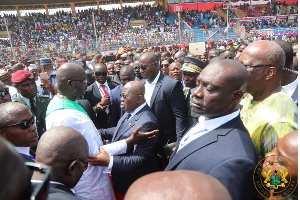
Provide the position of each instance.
(41, 103)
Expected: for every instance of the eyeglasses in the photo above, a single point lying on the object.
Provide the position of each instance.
(137, 68)
(165, 65)
(255, 66)
(23, 125)
(4, 93)
(84, 80)
(144, 67)
(100, 74)
(124, 96)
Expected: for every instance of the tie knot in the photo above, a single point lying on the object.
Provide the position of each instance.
(32, 101)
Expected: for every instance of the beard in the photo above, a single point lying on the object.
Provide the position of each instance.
(78, 94)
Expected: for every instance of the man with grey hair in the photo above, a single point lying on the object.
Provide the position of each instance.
(268, 112)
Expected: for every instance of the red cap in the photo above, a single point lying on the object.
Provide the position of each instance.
(21, 75)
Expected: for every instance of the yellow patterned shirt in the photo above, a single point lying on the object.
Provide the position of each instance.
(269, 120)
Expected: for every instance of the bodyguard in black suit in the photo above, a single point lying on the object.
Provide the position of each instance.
(140, 159)
(165, 97)
(219, 144)
(98, 95)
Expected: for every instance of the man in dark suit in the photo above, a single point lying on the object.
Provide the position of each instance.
(165, 97)
(140, 159)
(67, 167)
(126, 75)
(219, 144)
(98, 95)
(17, 125)
(25, 84)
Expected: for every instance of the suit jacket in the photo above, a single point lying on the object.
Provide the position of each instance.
(115, 101)
(138, 160)
(42, 102)
(60, 192)
(88, 108)
(168, 104)
(93, 95)
(226, 153)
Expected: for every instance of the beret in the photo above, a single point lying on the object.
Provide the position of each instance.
(192, 65)
(21, 75)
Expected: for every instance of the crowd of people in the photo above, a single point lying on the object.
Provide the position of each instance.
(125, 117)
(37, 35)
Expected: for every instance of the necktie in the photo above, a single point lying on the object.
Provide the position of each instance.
(105, 91)
(33, 108)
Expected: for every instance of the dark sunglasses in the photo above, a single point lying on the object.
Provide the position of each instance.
(23, 125)
(137, 68)
(165, 65)
(100, 74)
(144, 67)
(4, 93)
(124, 96)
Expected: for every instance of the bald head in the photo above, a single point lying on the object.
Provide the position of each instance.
(132, 96)
(177, 185)
(99, 66)
(68, 77)
(58, 148)
(136, 87)
(10, 112)
(150, 56)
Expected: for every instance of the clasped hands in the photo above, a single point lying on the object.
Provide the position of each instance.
(102, 105)
(102, 159)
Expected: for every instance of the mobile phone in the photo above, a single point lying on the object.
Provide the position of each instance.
(109, 58)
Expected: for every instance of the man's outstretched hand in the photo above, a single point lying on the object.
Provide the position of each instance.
(102, 159)
(138, 136)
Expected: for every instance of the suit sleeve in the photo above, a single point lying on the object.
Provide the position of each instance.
(114, 111)
(179, 108)
(236, 175)
(142, 151)
(107, 134)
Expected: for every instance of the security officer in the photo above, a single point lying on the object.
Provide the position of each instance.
(24, 82)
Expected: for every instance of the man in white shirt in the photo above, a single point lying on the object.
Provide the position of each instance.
(64, 111)
(219, 144)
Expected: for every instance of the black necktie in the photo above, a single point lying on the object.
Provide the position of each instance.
(33, 108)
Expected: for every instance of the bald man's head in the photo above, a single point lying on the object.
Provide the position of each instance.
(132, 96)
(71, 81)
(15, 176)
(58, 148)
(177, 185)
(126, 74)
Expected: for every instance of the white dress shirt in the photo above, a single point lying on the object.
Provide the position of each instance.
(291, 87)
(204, 126)
(149, 88)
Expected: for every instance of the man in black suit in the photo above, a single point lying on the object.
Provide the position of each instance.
(98, 95)
(17, 125)
(68, 162)
(140, 159)
(219, 144)
(165, 97)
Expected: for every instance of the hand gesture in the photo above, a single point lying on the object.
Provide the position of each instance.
(102, 159)
(138, 136)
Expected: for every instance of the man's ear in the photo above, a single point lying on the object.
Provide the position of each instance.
(270, 73)
(72, 167)
(237, 95)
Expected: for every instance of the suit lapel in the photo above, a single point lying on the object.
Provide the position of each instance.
(156, 89)
(203, 141)
(118, 126)
(97, 91)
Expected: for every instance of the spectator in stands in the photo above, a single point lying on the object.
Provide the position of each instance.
(268, 112)
(172, 186)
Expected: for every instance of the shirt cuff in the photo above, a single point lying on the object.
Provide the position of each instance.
(116, 148)
(111, 162)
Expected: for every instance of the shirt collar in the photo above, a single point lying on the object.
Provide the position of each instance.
(98, 84)
(27, 100)
(138, 109)
(212, 124)
(155, 80)
(23, 150)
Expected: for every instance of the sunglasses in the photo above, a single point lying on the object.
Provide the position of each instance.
(165, 65)
(100, 74)
(23, 125)
(4, 93)
(137, 68)
(124, 96)
(144, 67)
